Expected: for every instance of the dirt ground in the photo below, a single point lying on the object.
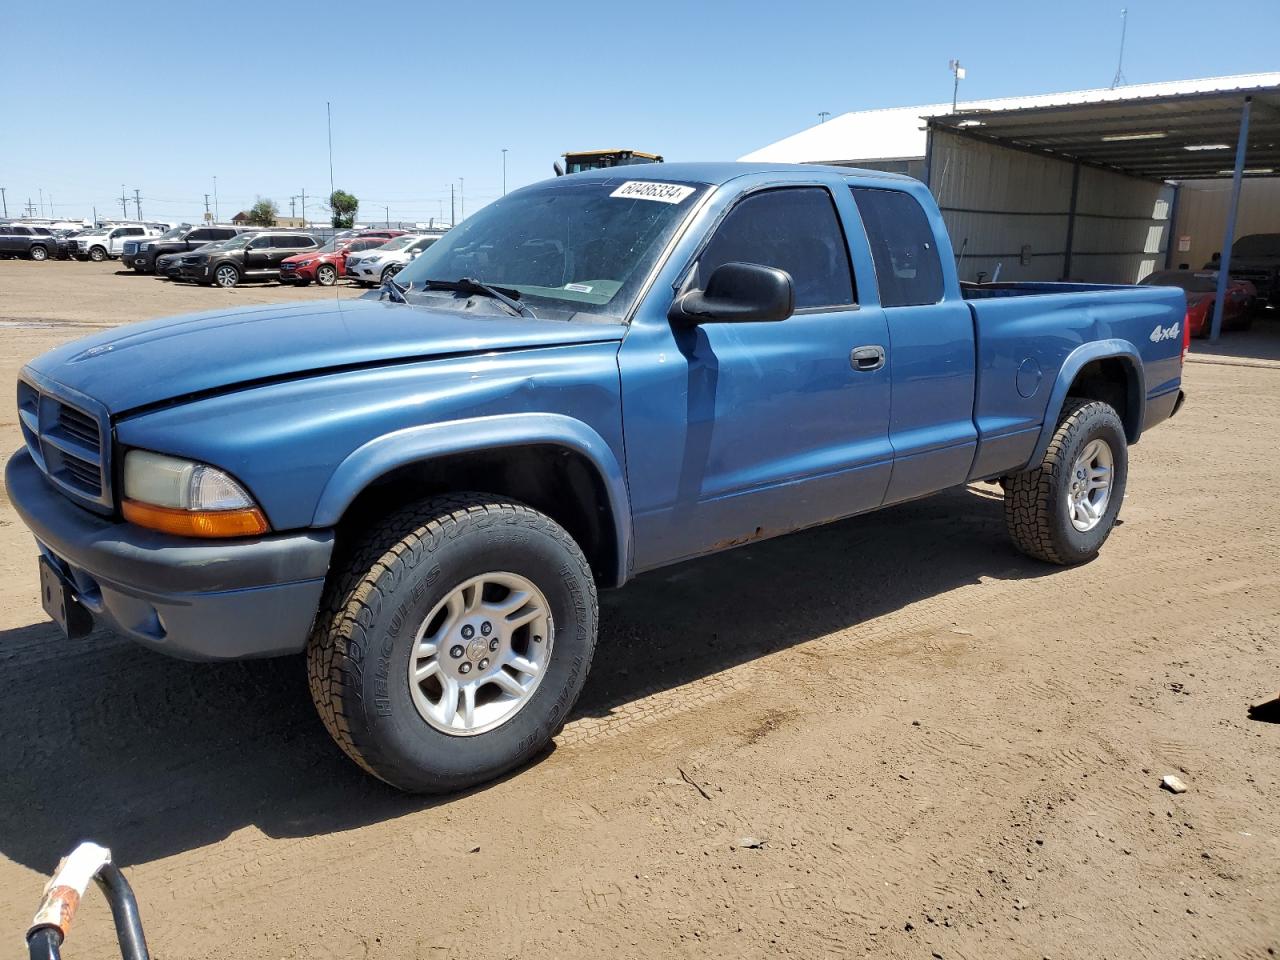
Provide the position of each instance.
(942, 748)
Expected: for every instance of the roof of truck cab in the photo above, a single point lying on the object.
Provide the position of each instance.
(722, 172)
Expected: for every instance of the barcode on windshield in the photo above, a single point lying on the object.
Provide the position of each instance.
(648, 190)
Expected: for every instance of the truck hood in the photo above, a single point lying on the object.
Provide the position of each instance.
(159, 360)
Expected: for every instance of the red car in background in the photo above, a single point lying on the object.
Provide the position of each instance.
(1201, 287)
(327, 264)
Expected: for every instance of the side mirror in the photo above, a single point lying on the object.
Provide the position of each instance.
(738, 293)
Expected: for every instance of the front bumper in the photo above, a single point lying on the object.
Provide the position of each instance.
(193, 599)
(193, 271)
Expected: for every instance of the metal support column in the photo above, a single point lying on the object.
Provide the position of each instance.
(1224, 267)
(1170, 240)
(1071, 220)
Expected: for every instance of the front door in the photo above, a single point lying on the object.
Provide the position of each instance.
(739, 431)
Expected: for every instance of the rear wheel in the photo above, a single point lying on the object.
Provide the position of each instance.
(98, 254)
(39, 253)
(1063, 510)
(453, 643)
(226, 275)
(326, 275)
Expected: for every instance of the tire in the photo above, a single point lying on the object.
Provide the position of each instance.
(397, 583)
(39, 253)
(388, 273)
(326, 275)
(1038, 507)
(97, 254)
(226, 275)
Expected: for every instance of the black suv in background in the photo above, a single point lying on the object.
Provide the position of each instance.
(19, 240)
(141, 254)
(249, 257)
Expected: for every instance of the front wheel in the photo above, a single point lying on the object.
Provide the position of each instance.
(453, 642)
(1063, 510)
(226, 276)
(389, 272)
(97, 254)
(326, 275)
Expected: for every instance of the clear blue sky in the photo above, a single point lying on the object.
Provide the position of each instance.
(164, 96)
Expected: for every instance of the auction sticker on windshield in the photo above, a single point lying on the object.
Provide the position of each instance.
(648, 190)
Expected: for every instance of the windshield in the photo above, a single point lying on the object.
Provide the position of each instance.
(332, 245)
(1190, 282)
(177, 233)
(397, 243)
(1262, 245)
(237, 241)
(579, 247)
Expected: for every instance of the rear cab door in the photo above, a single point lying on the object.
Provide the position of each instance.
(931, 337)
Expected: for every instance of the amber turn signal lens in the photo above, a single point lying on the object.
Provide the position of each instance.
(196, 523)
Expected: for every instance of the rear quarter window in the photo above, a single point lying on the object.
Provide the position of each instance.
(903, 247)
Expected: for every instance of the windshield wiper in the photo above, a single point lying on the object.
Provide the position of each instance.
(395, 293)
(504, 295)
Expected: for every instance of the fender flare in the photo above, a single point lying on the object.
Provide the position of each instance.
(386, 453)
(1076, 361)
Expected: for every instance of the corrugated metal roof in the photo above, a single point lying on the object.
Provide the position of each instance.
(900, 133)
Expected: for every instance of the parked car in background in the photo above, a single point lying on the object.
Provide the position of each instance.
(108, 242)
(1201, 288)
(250, 256)
(67, 242)
(34, 243)
(1256, 258)
(142, 254)
(369, 269)
(326, 265)
(169, 265)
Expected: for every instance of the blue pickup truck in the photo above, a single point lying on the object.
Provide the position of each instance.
(592, 377)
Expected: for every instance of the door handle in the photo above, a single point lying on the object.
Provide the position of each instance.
(867, 359)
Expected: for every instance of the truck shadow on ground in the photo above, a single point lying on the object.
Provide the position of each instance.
(152, 756)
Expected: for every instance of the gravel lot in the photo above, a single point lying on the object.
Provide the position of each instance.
(944, 748)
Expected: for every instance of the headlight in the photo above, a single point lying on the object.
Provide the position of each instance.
(186, 498)
(305, 263)
(146, 246)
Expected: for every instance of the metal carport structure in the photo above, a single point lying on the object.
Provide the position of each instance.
(1185, 135)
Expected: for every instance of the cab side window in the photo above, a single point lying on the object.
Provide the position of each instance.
(795, 229)
(902, 245)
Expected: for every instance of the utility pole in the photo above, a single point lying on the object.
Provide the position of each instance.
(1124, 24)
(957, 71)
(4, 200)
(40, 190)
(51, 206)
(504, 171)
(293, 209)
(387, 211)
(822, 115)
(124, 204)
(31, 207)
(452, 219)
(206, 208)
(137, 201)
(217, 218)
(329, 116)
(304, 206)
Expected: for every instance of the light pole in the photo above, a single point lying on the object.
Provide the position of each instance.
(957, 71)
(504, 171)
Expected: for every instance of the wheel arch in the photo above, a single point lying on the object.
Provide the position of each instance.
(555, 464)
(1107, 370)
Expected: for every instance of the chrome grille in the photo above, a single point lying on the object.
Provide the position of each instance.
(65, 439)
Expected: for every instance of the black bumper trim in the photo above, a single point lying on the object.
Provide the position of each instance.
(130, 556)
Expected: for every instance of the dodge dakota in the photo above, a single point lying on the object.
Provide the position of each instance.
(595, 376)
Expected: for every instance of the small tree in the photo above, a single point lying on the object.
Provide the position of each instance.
(344, 206)
(264, 213)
